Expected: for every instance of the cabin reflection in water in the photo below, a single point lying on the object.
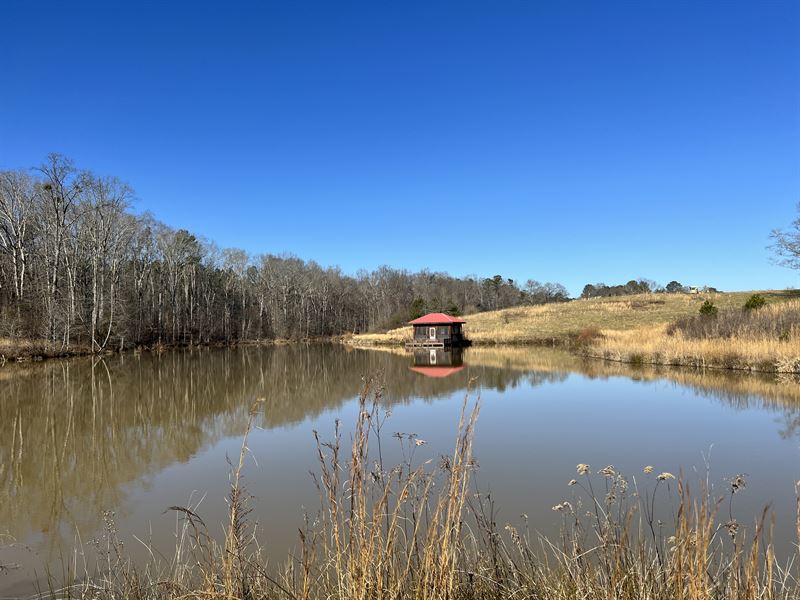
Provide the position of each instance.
(438, 362)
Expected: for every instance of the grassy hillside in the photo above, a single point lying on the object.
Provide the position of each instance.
(555, 322)
(636, 329)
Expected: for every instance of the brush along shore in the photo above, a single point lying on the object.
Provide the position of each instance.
(644, 329)
(23, 349)
(764, 340)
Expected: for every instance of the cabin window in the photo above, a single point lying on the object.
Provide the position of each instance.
(432, 332)
(432, 357)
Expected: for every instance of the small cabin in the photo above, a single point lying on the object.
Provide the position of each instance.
(437, 330)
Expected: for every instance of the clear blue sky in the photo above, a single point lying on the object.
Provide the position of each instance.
(568, 141)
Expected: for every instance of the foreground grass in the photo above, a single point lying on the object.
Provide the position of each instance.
(416, 530)
(631, 329)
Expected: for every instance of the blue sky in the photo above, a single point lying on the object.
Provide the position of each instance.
(569, 141)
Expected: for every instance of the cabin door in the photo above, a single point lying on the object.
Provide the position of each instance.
(432, 333)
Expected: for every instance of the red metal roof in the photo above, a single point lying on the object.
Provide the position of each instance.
(436, 371)
(436, 319)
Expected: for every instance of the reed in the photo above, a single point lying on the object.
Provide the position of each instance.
(766, 340)
(416, 529)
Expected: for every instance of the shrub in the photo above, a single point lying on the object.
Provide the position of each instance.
(674, 287)
(775, 322)
(588, 336)
(636, 359)
(708, 309)
(755, 302)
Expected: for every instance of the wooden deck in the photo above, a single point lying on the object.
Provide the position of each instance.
(425, 344)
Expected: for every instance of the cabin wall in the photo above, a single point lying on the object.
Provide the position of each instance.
(421, 332)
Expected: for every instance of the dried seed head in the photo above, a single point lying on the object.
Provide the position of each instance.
(583, 469)
(732, 526)
(738, 483)
(608, 471)
(514, 533)
(648, 469)
(572, 482)
(664, 476)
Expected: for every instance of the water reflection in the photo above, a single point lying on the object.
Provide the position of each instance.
(438, 362)
(74, 435)
(738, 389)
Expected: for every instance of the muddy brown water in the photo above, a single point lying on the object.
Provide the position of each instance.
(87, 442)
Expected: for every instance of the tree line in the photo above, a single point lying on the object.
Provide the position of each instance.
(785, 247)
(79, 266)
(637, 286)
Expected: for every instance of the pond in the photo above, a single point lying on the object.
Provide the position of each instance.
(88, 442)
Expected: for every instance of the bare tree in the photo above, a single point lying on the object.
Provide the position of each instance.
(108, 232)
(17, 199)
(60, 193)
(786, 244)
(89, 271)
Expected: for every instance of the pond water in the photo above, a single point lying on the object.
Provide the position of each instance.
(126, 437)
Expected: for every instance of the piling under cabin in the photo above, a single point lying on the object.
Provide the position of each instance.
(437, 330)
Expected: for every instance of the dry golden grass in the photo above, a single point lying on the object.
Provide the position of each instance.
(558, 322)
(749, 352)
(631, 329)
(15, 347)
(24, 349)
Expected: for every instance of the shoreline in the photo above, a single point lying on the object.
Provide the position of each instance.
(655, 329)
(39, 351)
(633, 359)
(733, 362)
(639, 361)
(652, 329)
